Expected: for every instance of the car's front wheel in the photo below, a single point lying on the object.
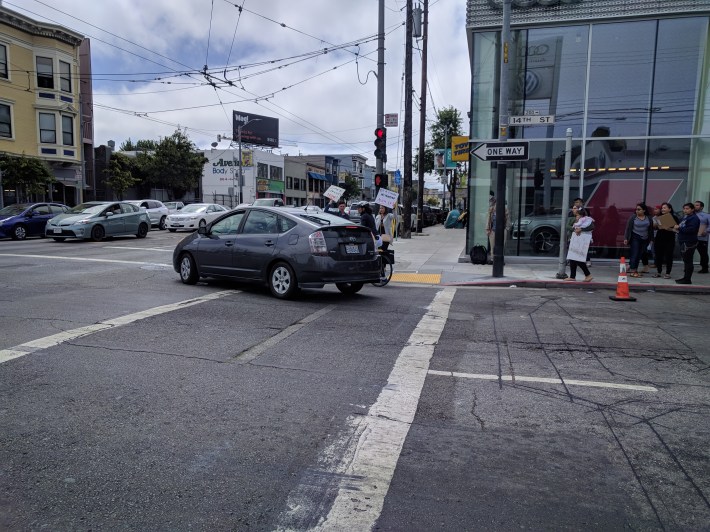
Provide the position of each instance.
(349, 288)
(282, 281)
(188, 269)
(161, 224)
(545, 241)
(98, 233)
(142, 230)
(19, 233)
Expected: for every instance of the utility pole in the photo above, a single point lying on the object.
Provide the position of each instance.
(407, 188)
(379, 163)
(422, 119)
(503, 112)
(241, 173)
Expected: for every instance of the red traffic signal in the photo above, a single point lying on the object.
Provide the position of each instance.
(381, 180)
(381, 143)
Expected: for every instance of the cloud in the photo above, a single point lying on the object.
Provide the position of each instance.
(276, 58)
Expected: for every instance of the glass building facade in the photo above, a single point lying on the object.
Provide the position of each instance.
(633, 84)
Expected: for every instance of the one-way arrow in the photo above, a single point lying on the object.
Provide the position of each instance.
(502, 151)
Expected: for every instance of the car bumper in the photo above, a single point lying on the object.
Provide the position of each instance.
(323, 270)
(71, 231)
(182, 225)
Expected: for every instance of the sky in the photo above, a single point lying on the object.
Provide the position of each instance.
(309, 63)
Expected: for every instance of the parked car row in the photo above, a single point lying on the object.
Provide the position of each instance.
(20, 220)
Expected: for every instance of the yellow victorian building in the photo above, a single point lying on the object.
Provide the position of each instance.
(41, 101)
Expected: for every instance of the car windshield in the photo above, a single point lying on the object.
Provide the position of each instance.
(193, 208)
(12, 210)
(87, 208)
(171, 205)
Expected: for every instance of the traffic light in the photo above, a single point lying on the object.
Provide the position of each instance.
(381, 144)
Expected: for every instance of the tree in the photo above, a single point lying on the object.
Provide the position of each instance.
(176, 165)
(119, 174)
(141, 145)
(27, 175)
(352, 188)
(433, 202)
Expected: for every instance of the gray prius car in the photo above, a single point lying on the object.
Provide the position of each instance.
(281, 247)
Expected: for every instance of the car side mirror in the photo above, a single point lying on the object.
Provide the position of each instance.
(202, 230)
(108, 213)
(30, 214)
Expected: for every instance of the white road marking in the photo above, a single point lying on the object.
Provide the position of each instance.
(83, 259)
(56, 339)
(553, 380)
(359, 465)
(170, 249)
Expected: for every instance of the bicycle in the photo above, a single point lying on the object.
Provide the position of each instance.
(386, 266)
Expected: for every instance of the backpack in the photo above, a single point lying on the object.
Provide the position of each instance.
(479, 255)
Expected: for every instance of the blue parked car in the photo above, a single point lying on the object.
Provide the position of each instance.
(20, 220)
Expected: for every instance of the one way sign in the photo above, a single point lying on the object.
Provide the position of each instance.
(502, 151)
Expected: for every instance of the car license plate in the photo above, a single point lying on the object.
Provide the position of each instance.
(352, 249)
(57, 230)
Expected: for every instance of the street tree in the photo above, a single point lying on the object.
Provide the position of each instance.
(29, 176)
(176, 165)
(352, 188)
(140, 145)
(119, 174)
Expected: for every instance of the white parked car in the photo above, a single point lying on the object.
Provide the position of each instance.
(193, 216)
(173, 206)
(157, 212)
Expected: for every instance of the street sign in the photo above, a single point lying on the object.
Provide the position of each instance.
(391, 119)
(502, 151)
(397, 177)
(531, 120)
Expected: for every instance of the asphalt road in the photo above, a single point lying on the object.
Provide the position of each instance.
(131, 401)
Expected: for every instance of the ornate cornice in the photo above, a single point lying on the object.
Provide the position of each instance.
(40, 29)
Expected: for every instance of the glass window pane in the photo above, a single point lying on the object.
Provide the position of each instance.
(3, 62)
(47, 128)
(65, 76)
(551, 79)
(678, 65)
(67, 131)
(5, 124)
(45, 73)
(620, 78)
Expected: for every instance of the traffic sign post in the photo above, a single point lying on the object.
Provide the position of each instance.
(502, 151)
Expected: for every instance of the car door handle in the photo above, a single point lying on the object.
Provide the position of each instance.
(269, 243)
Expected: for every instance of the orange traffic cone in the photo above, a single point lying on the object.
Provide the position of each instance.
(622, 285)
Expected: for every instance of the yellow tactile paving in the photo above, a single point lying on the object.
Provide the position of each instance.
(425, 278)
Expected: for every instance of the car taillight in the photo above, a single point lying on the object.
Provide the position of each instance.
(318, 243)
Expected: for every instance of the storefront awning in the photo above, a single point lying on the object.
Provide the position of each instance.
(316, 175)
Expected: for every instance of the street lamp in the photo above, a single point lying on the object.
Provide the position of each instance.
(241, 174)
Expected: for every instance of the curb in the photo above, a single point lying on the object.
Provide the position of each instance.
(527, 283)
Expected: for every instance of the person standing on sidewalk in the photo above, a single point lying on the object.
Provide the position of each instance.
(702, 235)
(688, 240)
(582, 224)
(638, 234)
(664, 242)
(384, 221)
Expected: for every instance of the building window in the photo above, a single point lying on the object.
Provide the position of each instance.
(303, 184)
(47, 128)
(64, 76)
(276, 173)
(262, 170)
(45, 73)
(67, 130)
(289, 182)
(5, 121)
(3, 62)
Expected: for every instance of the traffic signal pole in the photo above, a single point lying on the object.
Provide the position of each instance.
(503, 112)
(422, 120)
(379, 165)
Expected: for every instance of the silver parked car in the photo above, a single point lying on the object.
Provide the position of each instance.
(97, 220)
(173, 206)
(157, 212)
(194, 215)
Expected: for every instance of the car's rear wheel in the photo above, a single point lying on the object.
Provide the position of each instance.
(282, 281)
(19, 233)
(161, 225)
(142, 230)
(349, 288)
(58, 239)
(545, 241)
(98, 233)
(188, 269)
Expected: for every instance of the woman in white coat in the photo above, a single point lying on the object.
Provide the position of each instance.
(384, 221)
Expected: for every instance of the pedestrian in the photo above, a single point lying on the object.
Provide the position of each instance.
(638, 234)
(340, 212)
(688, 239)
(664, 242)
(384, 221)
(579, 244)
(368, 220)
(491, 227)
(702, 235)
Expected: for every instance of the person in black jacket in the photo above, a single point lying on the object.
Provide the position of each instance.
(367, 219)
(688, 240)
(664, 243)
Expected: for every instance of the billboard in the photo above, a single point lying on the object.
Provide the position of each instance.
(256, 129)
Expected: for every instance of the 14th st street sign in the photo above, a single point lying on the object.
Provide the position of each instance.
(502, 151)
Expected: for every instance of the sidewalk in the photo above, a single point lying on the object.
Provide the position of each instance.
(437, 256)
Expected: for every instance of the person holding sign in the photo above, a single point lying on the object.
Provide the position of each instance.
(384, 221)
(664, 243)
(579, 245)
